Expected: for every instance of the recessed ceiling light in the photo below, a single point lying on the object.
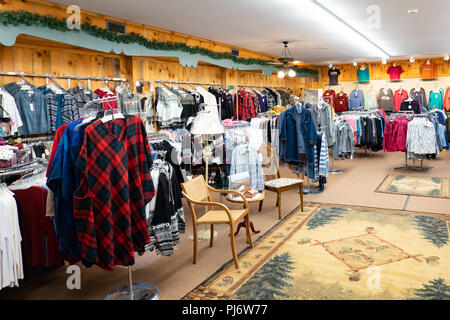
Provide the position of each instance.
(413, 11)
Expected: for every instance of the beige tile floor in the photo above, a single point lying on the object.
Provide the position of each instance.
(175, 276)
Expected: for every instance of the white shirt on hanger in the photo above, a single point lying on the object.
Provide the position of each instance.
(9, 105)
(210, 100)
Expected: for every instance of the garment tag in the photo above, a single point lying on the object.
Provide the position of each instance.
(31, 107)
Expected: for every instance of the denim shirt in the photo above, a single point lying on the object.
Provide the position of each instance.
(32, 109)
(356, 100)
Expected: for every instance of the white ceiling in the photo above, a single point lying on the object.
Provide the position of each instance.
(316, 37)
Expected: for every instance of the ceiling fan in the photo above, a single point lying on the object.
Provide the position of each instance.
(286, 61)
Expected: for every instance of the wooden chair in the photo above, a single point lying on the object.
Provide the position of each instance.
(277, 184)
(195, 192)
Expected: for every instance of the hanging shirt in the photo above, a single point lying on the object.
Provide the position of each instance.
(330, 97)
(428, 71)
(62, 182)
(11, 266)
(394, 72)
(447, 99)
(32, 109)
(334, 76)
(103, 94)
(341, 102)
(412, 105)
(370, 102)
(420, 96)
(245, 158)
(385, 100)
(356, 100)
(9, 110)
(363, 75)
(399, 96)
(109, 205)
(436, 100)
(40, 248)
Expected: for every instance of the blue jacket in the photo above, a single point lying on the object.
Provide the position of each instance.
(290, 123)
(356, 100)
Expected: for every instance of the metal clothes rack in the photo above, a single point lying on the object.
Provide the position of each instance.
(170, 82)
(68, 77)
(406, 166)
(261, 87)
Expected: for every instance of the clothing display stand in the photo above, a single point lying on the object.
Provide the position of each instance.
(334, 170)
(413, 167)
(406, 166)
(309, 189)
(206, 124)
(134, 291)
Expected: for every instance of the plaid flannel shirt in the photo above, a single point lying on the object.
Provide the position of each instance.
(246, 106)
(69, 109)
(116, 185)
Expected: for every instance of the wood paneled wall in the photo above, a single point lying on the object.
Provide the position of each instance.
(378, 71)
(33, 55)
(151, 33)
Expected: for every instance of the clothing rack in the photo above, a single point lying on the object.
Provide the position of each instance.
(367, 151)
(190, 82)
(53, 76)
(170, 82)
(261, 87)
(406, 166)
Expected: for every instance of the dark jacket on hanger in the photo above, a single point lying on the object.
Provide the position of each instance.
(292, 121)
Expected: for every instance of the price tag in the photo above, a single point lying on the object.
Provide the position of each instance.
(31, 107)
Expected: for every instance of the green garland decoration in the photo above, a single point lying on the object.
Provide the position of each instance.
(13, 18)
(8, 18)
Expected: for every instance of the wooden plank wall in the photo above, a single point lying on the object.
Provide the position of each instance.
(30, 57)
(151, 33)
(378, 71)
(34, 55)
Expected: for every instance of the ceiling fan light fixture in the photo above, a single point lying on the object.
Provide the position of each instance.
(446, 57)
(355, 63)
(412, 59)
(330, 65)
(292, 73)
(281, 74)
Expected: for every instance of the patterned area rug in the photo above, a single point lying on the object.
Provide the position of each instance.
(334, 252)
(415, 186)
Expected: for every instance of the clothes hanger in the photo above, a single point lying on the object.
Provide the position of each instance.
(114, 115)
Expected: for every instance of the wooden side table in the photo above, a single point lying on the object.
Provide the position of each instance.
(259, 198)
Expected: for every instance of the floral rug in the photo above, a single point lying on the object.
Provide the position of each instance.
(335, 252)
(415, 186)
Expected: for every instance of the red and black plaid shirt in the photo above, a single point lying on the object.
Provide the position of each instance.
(109, 205)
(330, 97)
(246, 106)
(341, 102)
